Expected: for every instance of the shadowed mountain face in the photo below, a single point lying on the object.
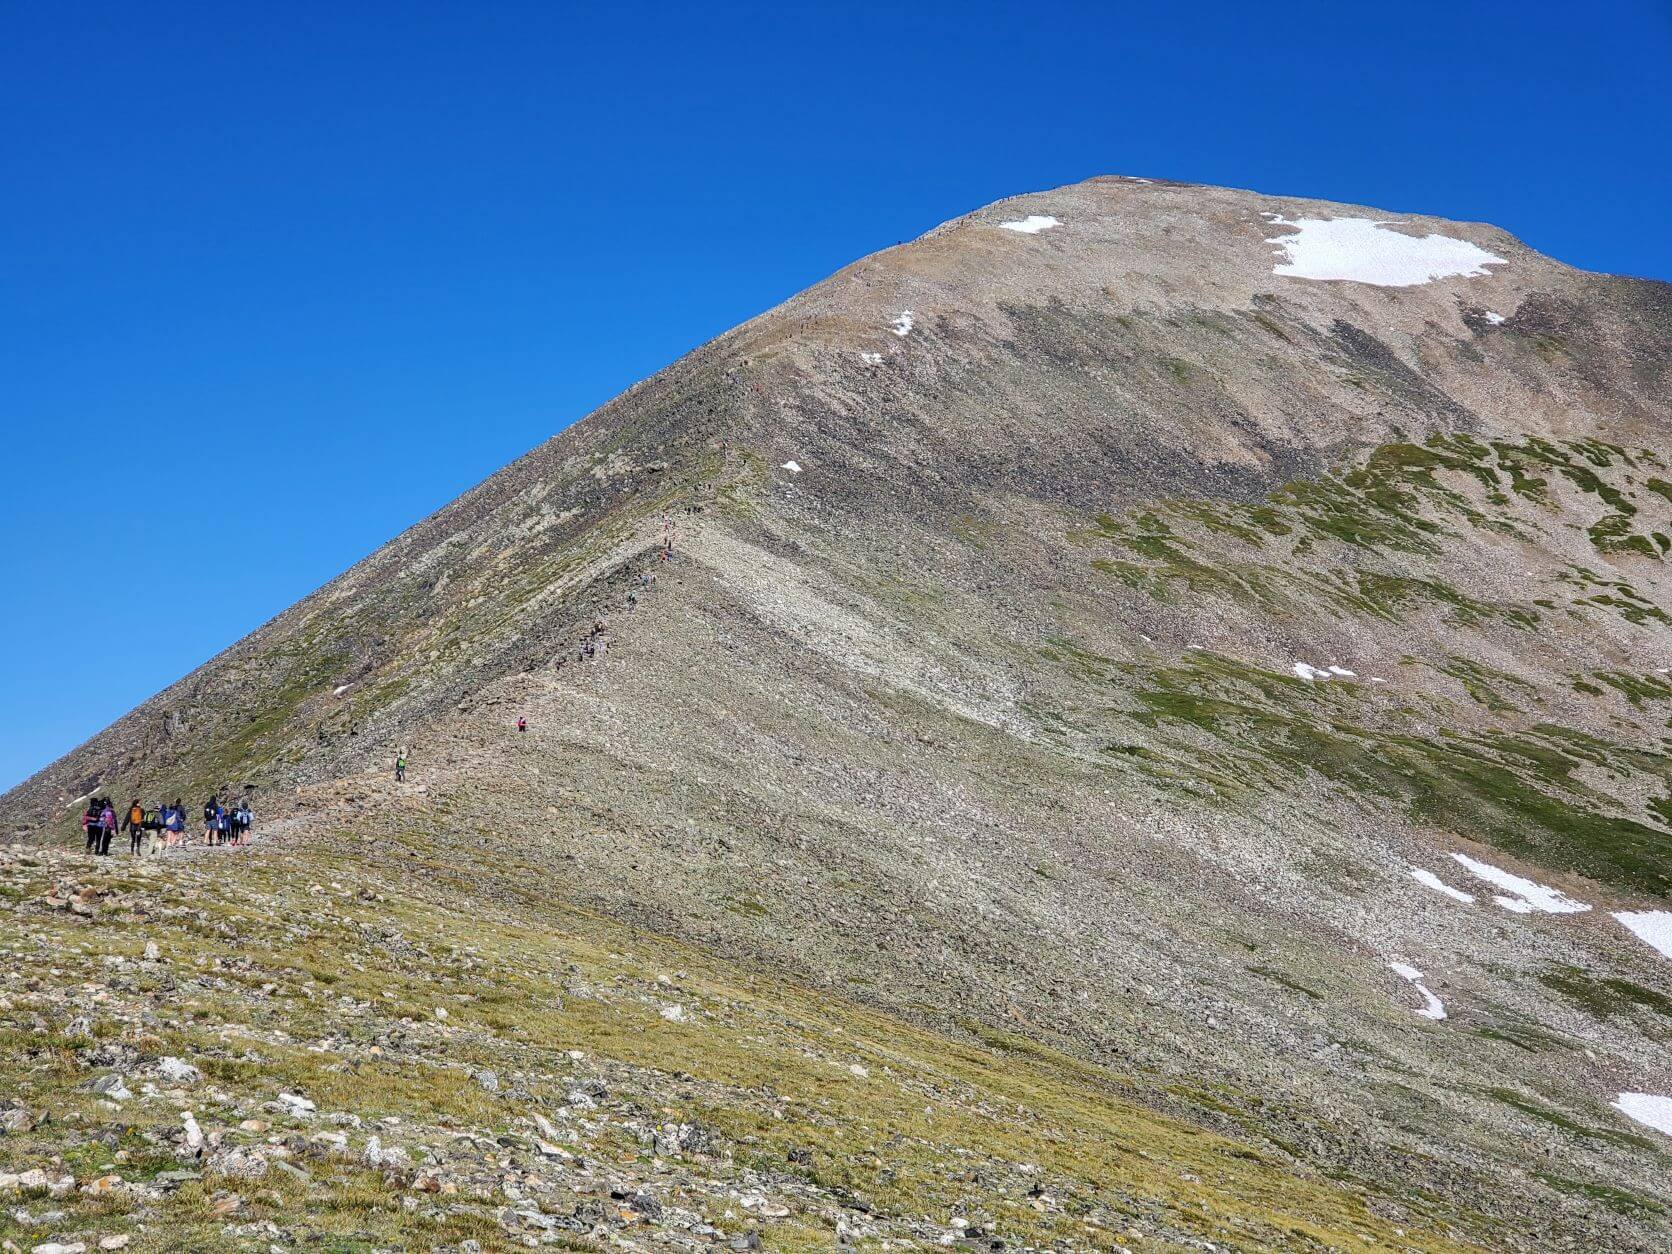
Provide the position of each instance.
(1079, 633)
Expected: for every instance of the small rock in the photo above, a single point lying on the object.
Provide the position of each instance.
(194, 1134)
(104, 1186)
(178, 1071)
(37, 1181)
(488, 1080)
(645, 1205)
(152, 954)
(56, 1247)
(238, 1165)
(116, 1241)
(296, 1105)
(547, 1129)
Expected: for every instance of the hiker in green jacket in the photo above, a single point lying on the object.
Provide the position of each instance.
(400, 767)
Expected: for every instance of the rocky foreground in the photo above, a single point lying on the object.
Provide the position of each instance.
(306, 1045)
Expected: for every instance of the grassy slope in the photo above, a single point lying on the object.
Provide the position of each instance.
(317, 970)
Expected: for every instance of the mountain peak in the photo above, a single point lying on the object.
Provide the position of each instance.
(1202, 636)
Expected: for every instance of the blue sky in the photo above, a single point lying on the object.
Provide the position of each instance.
(277, 281)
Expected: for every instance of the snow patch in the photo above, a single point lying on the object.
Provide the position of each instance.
(1649, 1109)
(1309, 673)
(340, 689)
(793, 467)
(1343, 672)
(871, 359)
(1652, 927)
(902, 325)
(1528, 896)
(1432, 1007)
(1433, 881)
(1033, 224)
(1363, 250)
(1494, 318)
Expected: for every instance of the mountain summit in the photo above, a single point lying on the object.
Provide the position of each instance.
(1167, 685)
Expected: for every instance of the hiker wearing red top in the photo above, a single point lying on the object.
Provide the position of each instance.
(522, 724)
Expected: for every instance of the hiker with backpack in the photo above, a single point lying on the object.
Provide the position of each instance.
(135, 825)
(90, 823)
(400, 767)
(107, 827)
(522, 724)
(174, 823)
(209, 808)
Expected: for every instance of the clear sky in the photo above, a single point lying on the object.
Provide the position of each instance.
(276, 281)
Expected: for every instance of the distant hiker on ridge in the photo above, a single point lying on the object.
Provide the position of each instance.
(400, 767)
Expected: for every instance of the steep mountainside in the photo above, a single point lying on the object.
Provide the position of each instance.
(1209, 651)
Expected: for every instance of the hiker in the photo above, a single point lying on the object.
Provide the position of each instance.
(209, 808)
(522, 724)
(632, 600)
(246, 820)
(107, 827)
(90, 823)
(174, 823)
(135, 825)
(400, 768)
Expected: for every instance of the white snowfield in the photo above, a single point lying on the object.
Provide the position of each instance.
(1432, 1007)
(1652, 927)
(1494, 318)
(1649, 1109)
(1433, 881)
(1033, 224)
(793, 467)
(871, 359)
(1525, 896)
(902, 325)
(1308, 672)
(1363, 250)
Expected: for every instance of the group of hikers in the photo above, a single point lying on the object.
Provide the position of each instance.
(223, 824)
